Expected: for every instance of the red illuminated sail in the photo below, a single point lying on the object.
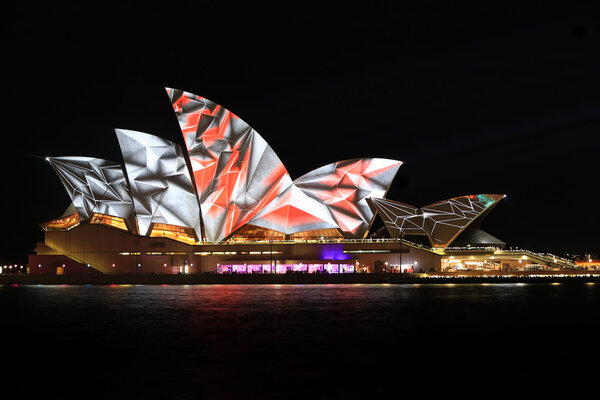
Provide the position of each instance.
(333, 196)
(236, 172)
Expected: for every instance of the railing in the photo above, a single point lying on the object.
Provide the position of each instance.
(326, 240)
(547, 257)
(486, 248)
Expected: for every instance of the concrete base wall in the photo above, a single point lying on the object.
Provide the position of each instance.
(112, 251)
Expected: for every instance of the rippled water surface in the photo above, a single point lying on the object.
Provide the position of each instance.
(299, 341)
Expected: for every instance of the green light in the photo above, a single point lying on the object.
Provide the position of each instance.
(485, 200)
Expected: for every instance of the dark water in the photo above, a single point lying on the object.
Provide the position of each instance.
(301, 341)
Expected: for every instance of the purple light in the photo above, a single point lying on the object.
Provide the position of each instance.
(328, 267)
(333, 251)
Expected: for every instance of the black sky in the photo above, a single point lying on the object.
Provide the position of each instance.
(479, 97)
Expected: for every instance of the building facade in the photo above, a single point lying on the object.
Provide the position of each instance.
(226, 204)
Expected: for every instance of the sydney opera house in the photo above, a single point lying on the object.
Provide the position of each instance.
(226, 204)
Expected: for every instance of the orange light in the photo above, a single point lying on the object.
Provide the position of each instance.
(62, 224)
(179, 233)
(317, 234)
(108, 220)
(253, 232)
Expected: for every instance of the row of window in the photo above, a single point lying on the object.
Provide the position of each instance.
(196, 253)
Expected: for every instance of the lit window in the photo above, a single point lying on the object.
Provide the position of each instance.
(62, 224)
(107, 220)
(179, 233)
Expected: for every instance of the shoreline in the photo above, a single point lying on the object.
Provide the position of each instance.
(293, 279)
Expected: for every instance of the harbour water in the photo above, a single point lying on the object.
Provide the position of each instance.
(300, 341)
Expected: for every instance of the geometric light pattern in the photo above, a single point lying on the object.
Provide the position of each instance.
(333, 196)
(160, 183)
(399, 218)
(236, 172)
(295, 211)
(344, 186)
(237, 183)
(95, 186)
(442, 222)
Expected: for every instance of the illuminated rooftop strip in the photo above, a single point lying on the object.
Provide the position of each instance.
(365, 251)
(208, 253)
(334, 240)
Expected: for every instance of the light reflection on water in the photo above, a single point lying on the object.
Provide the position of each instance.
(282, 340)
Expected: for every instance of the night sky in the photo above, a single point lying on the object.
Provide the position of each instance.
(482, 97)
